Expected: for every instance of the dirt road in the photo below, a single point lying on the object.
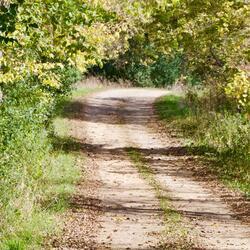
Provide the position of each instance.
(116, 208)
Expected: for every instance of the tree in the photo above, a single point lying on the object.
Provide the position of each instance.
(213, 36)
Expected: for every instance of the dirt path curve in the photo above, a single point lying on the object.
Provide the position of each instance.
(129, 214)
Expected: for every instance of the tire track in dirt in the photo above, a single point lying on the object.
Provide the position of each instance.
(207, 214)
(129, 215)
(126, 214)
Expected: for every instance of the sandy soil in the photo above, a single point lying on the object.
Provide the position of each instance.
(116, 208)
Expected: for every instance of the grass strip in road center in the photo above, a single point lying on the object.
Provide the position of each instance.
(175, 235)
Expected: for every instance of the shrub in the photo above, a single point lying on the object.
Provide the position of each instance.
(238, 89)
(162, 71)
(226, 133)
(27, 161)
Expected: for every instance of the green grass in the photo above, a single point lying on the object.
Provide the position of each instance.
(171, 107)
(79, 92)
(175, 235)
(47, 200)
(174, 112)
(34, 213)
(223, 138)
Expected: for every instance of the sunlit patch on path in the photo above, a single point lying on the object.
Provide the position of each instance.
(105, 126)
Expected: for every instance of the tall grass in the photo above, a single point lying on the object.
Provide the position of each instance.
(35, 178)
(221, 136)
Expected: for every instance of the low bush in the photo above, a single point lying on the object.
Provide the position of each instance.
(34, 178)
(226, 133)
(227, 136)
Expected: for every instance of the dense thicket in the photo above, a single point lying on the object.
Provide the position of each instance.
(212, 38)
(143, 65)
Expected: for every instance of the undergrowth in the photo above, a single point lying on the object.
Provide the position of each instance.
(221, 136)
(34, 190)
(36, 178)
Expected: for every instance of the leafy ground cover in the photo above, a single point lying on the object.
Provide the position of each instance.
(47, 176)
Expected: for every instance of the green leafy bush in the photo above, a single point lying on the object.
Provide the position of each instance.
(160, 72)
(28, 163)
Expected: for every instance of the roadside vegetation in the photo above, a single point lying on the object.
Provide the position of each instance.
(221, 136)
(48, 171)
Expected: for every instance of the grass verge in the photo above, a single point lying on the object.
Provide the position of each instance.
(46, 178)
(223, 138)
(175, 235)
